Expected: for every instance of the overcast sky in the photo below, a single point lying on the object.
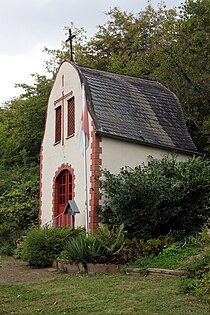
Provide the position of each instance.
(27, 26)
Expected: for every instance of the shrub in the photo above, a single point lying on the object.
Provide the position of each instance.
(146, 248)
(198, 271)
(18, 251)
(42, 246)
(9, 232)
(164, 198)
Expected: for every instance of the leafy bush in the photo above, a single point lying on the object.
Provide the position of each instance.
(42, 246)
(18, 251)
(19, 196)
(197, 269)
(199, 285)
(145, 248)
(9, 232)
(164, 198)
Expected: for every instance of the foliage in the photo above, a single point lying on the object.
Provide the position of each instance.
(99, 247)
(171, 46)
(18, 251)
(42, 246)
(137, 248)
(83, 250)
(112, 239)
(21, 129)
(110, 246)
(171, 257)
(199, 285)
(19, 201)
(22, 123)
(57, 56)
(197, 270)
(9, 232)
(164, 198)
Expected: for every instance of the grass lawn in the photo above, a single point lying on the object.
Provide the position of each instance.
(101, 294)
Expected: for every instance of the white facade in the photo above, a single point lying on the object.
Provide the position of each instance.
(54, 155)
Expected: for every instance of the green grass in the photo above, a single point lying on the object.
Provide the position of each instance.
(173, 257)
(102, 294)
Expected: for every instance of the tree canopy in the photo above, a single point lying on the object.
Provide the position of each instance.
(22, 124)
(170, 46)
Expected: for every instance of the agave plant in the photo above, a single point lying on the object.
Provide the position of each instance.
(112, 239)
(82, 249)
(97, 246)
(77, 249)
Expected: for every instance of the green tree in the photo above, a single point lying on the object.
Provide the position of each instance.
(57, 56)
(186, 70)
(22, 125)
(171, 46)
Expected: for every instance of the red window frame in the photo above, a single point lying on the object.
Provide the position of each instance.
(71, 118)
(58, 124)
(65, 188)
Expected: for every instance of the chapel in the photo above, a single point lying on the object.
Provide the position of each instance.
(122, 119)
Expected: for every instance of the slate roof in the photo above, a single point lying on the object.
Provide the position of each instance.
(136, 110)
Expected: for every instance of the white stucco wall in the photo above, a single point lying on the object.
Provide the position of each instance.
(55, 155)
(118, 153)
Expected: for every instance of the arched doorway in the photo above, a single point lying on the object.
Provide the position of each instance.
(64, 185)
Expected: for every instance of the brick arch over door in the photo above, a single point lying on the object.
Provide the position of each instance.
(63, 190)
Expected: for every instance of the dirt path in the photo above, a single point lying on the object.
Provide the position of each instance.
(14, 271)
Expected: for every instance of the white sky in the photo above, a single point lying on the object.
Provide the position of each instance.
(27, 26)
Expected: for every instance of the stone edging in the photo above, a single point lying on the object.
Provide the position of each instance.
(112, 268)
(91, 268)
(155, 271)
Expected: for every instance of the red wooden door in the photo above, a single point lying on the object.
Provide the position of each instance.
(64, 194)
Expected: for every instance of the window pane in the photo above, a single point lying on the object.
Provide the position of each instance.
(58, 124)
(71, 118)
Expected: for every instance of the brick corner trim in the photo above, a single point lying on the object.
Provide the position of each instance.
(96, 162)
(40, 185)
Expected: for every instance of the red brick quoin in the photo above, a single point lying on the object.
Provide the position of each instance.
(55, 187)
(96, 162)
(40, 185)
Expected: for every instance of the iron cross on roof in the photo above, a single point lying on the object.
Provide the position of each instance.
(71, 48)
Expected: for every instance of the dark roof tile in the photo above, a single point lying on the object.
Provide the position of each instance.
(135, 109)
